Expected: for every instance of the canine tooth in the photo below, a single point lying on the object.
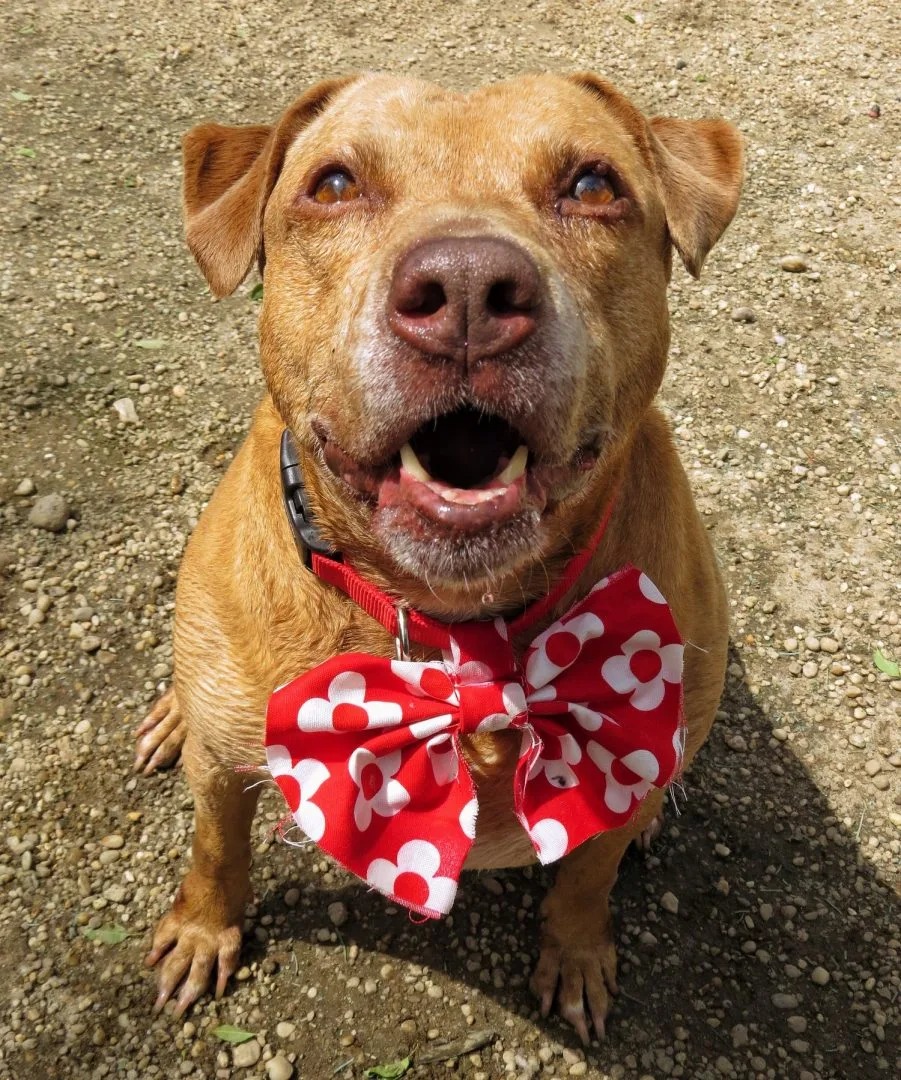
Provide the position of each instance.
(412, 464)
(516, 466)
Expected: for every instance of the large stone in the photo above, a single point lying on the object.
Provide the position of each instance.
(247, 1054)
(279, 1068)
(50, 512)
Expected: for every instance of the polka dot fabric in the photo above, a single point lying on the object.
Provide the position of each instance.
(367, 752)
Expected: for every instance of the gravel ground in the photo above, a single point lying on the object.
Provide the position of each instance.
(760, 936)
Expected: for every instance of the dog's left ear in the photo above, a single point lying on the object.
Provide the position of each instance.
(699, 166)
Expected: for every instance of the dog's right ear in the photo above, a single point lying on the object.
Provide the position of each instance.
(229, 174)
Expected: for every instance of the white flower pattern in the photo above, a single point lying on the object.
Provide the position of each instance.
(643, 668)
(629, 777)
(559, 647)
(550, 838)
(379, 792)
(308, 775)
(444, 759)
(557, 769)
(413, 878)
(345, 709)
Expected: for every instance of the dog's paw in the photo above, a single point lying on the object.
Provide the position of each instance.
(194, 943)
(649, 833)
(160, 735)
(581, 979)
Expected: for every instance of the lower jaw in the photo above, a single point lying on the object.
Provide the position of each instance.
(453, 559)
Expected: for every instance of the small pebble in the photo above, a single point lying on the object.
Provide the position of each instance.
(26, 487)
(793, 264)
(125, 410)
(819, 976)
(743, 315)
(739, 1036)
(337, 913)
(785, 1001)
(669, 902)
(810, 669)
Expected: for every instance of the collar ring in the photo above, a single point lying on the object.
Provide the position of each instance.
(402, 639)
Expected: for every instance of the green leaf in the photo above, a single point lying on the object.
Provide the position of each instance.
(109, 935)
(20, 95)
(25, 151)
(150, 343)
(256, 293)
(629, 18)
(231, 1034)
(389, 1072)
(889, 667)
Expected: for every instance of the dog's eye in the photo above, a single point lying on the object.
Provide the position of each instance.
(337, 186)
(592, 189)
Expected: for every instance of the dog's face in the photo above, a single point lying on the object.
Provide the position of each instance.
(465, 311)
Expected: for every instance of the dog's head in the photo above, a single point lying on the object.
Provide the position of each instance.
(465, 314)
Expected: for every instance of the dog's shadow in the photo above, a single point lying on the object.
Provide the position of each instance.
(770, 886)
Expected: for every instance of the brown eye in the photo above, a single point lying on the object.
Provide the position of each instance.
(592, 189)
(337, 186)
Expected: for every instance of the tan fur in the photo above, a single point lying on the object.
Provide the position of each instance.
(249, 617)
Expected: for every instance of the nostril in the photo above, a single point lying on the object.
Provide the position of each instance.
(426, 299)
(509, 297)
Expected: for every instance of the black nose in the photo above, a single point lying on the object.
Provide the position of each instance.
(466, 298)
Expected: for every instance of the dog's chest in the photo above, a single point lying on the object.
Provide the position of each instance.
(500, 838)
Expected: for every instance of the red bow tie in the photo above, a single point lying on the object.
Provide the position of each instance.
(366, 750)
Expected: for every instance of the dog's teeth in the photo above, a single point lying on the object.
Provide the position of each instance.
(412, 464)
(515, 467)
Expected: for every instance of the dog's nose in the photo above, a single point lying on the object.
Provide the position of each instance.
(465, 298)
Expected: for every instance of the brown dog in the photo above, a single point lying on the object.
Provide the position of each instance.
(492, 269)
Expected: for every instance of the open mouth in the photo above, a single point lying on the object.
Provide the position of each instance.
(465, 470)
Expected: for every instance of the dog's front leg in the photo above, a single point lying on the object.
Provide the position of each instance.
(577, 965)
(202, 932)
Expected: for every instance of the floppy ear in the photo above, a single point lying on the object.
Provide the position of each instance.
(229, 174)
(699, 169)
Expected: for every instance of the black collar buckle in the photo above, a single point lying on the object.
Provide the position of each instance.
(297, 505)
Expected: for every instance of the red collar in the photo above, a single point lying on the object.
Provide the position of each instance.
(434, 633)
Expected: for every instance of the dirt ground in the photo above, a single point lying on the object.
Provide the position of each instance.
(776, 953)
